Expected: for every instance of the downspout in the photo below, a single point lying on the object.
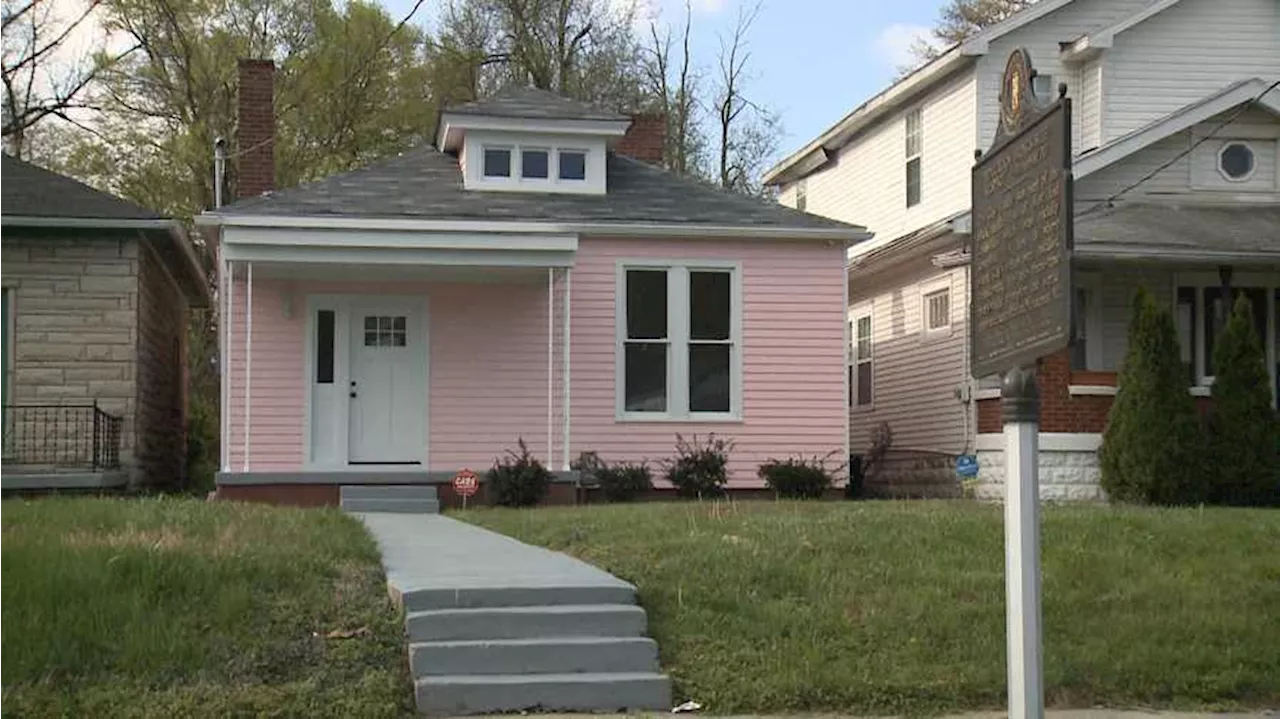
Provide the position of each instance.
(248, 356)
(565, 311)
(224, 314)
(551, 360)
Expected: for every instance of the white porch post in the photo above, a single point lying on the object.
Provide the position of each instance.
(1020, 406)
(248, 356)
(225, 443)
(551, 360)
(568, 279)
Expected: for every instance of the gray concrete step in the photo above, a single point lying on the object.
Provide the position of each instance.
(598, 692)
(417, 600)
(557, 655)
(397, 506)
(388, 491)
(566, 620)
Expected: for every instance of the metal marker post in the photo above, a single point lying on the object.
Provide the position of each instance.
(1020, 402)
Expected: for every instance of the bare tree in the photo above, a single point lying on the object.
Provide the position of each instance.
(39, 78)
(748, 132)
(959, 20)
(676, 95)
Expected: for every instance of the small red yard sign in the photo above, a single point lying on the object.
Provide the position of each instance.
(465, 484)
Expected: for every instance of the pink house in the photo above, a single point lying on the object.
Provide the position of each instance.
(520, 279)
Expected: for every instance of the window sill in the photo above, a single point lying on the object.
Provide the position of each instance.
(1095, 390)
(658, 418)
(936, 334)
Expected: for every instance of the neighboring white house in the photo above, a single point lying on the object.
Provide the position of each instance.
(1176, 135)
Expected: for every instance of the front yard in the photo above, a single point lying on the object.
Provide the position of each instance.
(179, 607)
(879, 607)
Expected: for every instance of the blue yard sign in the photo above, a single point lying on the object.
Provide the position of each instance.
(967, 465)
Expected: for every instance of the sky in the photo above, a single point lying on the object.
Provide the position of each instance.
(813, 60)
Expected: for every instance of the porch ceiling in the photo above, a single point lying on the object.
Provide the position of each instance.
(1237, 234)
(327, 272)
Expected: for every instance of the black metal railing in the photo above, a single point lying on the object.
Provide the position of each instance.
(54, 437)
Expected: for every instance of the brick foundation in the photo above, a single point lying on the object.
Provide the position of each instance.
(1059, 410)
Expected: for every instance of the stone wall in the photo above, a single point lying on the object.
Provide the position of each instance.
(1065, 474)
(914, 475)
(161, 414)
(75, 307)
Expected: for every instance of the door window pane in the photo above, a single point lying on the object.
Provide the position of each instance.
(324, 347)
(386, 331)
(709, 310)
(646, 304)
(709, 378)
(646, 377)
(497, 162)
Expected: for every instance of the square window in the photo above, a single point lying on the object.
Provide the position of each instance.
(646, 377)
(398, 324)
(708, 305)
(937, 311)
(533, 164)
(497, 162)
(573, 165)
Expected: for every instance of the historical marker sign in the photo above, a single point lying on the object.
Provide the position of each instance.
(1021, 256)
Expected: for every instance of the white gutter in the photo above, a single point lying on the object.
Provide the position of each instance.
(850, 233)
(91, 223)
(1147, 253)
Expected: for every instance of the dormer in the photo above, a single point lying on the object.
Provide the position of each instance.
(529, 140)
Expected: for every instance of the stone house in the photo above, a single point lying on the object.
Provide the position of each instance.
(96, 294)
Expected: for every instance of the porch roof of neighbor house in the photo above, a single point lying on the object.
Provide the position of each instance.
(1228, 233)
(31, 191)
(426, 184)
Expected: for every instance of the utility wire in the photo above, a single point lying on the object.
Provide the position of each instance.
(1166, 165)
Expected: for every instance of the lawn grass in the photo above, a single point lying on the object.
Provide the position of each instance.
(180, 607)
(890, 607)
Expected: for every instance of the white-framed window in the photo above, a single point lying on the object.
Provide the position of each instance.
(1236, 161)
(572, 164)
(1042, 87)
(914, 152)
(679, 340)
(861, 353)
(802, 194)
(497, 162)
(935, 308)
(1200, 311)
(535, 163)
(1086, 342)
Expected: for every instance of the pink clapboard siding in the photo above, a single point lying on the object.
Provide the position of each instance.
(488, 361)
(793, 353)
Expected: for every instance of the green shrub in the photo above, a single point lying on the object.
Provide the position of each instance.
(623, 482)
(797, 477)
(699, 469)
(518, 480)
(1244, 435)
(1152, 443)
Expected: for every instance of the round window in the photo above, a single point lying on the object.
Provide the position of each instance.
(1235, 161)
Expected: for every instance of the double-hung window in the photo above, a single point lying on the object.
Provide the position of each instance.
(860, 377)
(679, 346)
(914, 151)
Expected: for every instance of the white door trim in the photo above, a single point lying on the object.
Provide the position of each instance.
(341, 304)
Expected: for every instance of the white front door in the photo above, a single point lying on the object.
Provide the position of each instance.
(388, 383)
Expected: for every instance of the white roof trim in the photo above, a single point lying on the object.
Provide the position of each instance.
(980, 43)
(1176, 122)
(853, 233)
(1092, 43)
(91, 223)
(454, 125)
(1147, 253)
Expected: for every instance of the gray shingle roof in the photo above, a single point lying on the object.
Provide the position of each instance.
(424, 183)
(532, 103)
(1241, 228)
(30, 191)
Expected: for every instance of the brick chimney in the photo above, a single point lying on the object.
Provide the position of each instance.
(256, 172)
(645, 139)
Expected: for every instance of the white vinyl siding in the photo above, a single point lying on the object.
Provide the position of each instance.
(1089, 110)
(866, 182)
(1186, 52)
(916, 375)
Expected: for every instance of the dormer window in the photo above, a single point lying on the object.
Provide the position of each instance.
(533, 164)
(573, 165)
(497, 162)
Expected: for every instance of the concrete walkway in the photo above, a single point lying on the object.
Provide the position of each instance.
(496, 625)
(441, 562)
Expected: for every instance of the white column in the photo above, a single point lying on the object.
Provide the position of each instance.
(1022, 546)
(224, 360)
(248, 358)
(568, 284)
(551, 360)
